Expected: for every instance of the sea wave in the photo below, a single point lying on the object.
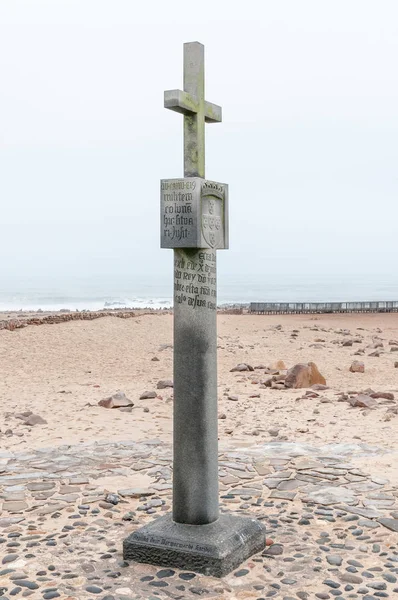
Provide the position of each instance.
(93, 304)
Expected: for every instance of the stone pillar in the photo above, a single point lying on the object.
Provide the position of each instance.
(195, 470)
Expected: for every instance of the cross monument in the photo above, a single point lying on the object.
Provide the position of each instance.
(194, 223)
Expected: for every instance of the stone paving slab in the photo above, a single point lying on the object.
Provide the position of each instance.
(61, 531)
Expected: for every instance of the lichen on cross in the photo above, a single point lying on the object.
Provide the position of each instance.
(196, 110)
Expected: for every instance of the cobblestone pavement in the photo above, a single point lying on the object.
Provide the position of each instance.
(64, 515)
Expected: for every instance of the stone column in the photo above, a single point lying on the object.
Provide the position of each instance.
(195, 470)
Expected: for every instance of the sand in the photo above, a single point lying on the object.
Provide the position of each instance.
(60, 372)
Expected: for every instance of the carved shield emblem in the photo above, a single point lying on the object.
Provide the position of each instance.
(212, 216)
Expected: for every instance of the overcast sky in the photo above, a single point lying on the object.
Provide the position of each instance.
(308, 143)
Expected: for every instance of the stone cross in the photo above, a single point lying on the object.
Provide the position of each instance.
(196, 110)
(194, 223)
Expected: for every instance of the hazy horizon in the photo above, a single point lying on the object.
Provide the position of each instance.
(308, 143)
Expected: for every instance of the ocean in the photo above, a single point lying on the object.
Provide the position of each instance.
(98, 293)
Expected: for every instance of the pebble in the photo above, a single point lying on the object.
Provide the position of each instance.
(9, 558)
(165, 573)
(334, 559)
(31, 585)
(93, 589)
(241, 572)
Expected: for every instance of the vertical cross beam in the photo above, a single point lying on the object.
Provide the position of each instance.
(194, 122)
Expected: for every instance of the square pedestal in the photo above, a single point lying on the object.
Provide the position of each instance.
(213, 549)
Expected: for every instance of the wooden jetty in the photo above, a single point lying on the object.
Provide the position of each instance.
(269, 308)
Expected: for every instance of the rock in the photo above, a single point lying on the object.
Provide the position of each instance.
(112, 499)
(14, 506)
(384, 395)
(363, 401)
(273, 550)
(155, 359)
(118, 400)
(391, 524)
(357, 367)
(350, 578)
(396, 364)
(273, 432)
(394, 349)
(331, 495)
(164, 383)
(9, 558)
(34, 420)
(334, 559)
(233, 398)
(303, 376)
(242, 367)
(135, 492)
(147, 395)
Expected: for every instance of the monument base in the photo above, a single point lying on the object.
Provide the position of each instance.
(214, 549)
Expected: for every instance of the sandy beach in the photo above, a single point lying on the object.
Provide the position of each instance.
(61, 372)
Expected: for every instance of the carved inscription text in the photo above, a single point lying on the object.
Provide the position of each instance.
(195, 282)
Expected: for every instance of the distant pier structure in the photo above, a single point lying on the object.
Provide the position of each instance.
(269, 308)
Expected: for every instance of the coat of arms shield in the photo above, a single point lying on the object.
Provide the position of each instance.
(212, 216)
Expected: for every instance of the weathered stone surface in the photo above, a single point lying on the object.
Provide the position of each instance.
(213, 549)
(118, 400)
(303, 376)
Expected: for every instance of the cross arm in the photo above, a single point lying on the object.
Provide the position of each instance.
(180, 101)
(213, 113)
(184, 103)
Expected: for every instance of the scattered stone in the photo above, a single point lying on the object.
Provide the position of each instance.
(334, 559)
(242, 367)
(273, 550)
(363, 401)
(164, 383)
(118, 400)
(303, 376)
(383, 395)
(147, 395)
(135, 492)
(112, 499)
(35, 420)
(357, 367)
